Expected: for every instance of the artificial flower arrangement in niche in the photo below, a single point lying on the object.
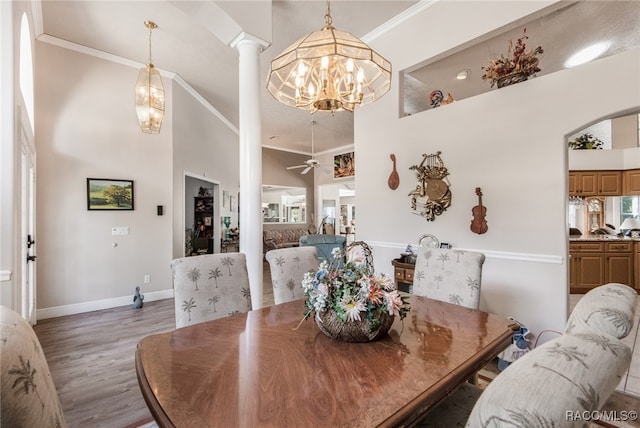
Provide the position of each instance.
(516, 67)
(586, 142)
(351, 303)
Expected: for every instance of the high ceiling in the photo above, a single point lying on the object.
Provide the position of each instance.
(189, 42)
(185, 44)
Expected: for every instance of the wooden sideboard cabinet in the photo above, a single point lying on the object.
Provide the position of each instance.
(403, 274)
(595, 183)
(594, 263)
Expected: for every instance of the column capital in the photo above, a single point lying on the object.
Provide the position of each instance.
(245, 37)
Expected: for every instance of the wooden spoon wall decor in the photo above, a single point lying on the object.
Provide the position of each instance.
(479, 224)
(394, 179)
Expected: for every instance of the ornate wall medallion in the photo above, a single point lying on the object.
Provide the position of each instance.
(432, 195)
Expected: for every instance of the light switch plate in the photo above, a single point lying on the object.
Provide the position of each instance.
(119, 231)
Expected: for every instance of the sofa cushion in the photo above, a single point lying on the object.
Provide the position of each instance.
(607, 309)
(550, 385)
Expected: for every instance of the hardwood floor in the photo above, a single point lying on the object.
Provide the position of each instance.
(91, 358)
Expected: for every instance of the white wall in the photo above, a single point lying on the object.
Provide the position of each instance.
(203, 146)
(86, 126)
(510, 142)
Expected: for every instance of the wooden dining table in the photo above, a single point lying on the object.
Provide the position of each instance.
(267, 368)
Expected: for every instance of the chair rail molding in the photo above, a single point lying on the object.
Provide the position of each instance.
(504, 255)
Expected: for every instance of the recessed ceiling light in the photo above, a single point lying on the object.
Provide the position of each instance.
(463, 74)
(587, 54)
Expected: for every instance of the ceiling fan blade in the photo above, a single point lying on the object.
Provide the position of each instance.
(304, 171)
(297, 166)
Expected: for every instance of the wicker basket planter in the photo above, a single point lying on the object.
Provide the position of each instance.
(353, 331)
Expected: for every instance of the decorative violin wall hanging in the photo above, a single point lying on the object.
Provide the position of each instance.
(394, 179)
(432, 195)
(479, 223)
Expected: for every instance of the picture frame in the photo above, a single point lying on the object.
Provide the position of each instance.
(225, 198)
(108, 194)
(344, 165)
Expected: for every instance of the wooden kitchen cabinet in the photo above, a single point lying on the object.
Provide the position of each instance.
(583, 183)
(631, 182)
(595, 183)
(594, 263)
(586, 266)
(636, 265)
(619, 260)
(609, 183)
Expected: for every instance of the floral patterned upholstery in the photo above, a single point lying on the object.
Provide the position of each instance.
(210, 286)
(288, 266)
(608, 309)
(28, 397)
(281, 238)
(572, 373)
(452, 276)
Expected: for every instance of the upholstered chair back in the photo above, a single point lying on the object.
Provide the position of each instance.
(555, 384)
(288, 266)
(608, 309)
(28, 397)
(448, 275)
(210, 286)
(324, 244)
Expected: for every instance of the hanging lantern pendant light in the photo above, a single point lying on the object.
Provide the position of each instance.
(329, 70)
(150, 93)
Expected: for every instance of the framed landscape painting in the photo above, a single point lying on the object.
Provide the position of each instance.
(109, 194)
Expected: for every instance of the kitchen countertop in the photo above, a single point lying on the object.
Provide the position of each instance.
(599, 238)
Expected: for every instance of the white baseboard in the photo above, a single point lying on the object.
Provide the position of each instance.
(96, 305)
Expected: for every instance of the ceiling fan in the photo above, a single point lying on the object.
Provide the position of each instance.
(312, 163)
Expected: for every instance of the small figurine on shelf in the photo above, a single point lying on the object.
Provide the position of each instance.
(447, 100)
(137, 299)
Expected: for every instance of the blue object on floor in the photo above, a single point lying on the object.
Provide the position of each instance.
(137, 299)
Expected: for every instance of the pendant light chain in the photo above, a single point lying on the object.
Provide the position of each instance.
(327, 16)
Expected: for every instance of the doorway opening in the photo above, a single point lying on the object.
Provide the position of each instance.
(201, 216)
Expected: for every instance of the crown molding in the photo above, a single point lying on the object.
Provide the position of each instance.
(65, 44)
(398, 20)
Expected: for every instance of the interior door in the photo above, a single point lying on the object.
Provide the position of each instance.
(28, 221)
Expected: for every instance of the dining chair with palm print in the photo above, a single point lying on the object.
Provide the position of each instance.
(210, 286)
(449, 275)
(288, 266)
(28, 395)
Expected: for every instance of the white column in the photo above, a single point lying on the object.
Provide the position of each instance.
(250, 166)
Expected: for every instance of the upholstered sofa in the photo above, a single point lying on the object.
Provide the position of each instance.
(274, 239)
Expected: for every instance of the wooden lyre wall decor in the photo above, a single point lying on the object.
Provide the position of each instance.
(432, 195)
(479, 223)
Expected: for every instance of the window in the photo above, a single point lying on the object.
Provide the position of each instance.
(629, 207)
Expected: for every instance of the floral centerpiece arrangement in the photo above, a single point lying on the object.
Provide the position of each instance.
(516, 67)
(586, 142)
(349, 302)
